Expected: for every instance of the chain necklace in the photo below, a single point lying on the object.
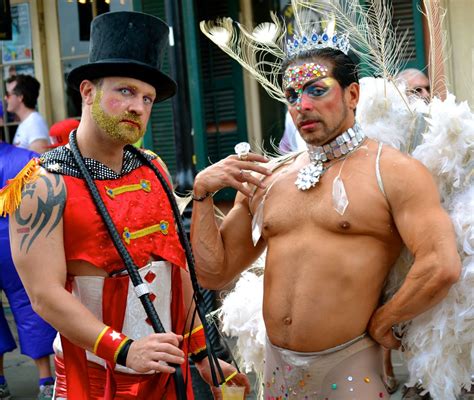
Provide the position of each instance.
(338, 148)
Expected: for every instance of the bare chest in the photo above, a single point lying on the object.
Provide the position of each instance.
(287, 209)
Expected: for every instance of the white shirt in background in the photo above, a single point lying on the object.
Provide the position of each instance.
(32, 128)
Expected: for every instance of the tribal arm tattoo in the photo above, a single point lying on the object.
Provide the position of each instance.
(48, 211)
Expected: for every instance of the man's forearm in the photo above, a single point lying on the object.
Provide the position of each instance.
(67, 315)
(222, 252)
(424, 287)
(208, 247)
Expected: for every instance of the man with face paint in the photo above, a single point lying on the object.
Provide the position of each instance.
(62, 248)
(333, 221)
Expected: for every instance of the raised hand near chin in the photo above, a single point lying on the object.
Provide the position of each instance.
(233, 172)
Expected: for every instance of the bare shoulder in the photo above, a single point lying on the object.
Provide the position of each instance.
(394, 157)
(45, 188)
(40, 211)
(405, 178)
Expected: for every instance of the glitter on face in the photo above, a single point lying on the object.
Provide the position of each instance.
(113, 125)
(297, 76)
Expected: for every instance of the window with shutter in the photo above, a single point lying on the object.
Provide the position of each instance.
(406, 16)
(161, 120)
(222, 85)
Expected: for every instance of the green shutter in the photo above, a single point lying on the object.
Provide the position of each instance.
(222, 83)
(407, 17)
(161, 121)
(222, 91)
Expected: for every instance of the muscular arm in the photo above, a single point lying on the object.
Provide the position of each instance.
(223, 252)
(36, 233)
(428, 233)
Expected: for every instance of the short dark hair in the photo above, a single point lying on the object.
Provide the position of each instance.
(344, 70)
(26, 86)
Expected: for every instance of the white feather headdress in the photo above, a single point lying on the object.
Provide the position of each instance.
(328, 23)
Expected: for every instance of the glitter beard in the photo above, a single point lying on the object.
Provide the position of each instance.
(112, 125)
(296, 77)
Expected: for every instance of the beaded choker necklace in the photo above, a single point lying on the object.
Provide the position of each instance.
(339, 148)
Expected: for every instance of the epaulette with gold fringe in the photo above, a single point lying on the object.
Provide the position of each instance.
(10, 195)
(150, 153)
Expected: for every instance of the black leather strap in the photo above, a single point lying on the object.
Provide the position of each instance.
(198, 295)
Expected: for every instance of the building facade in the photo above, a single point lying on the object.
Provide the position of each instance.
(218, 104)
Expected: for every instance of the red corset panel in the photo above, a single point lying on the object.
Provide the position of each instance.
(140, 211)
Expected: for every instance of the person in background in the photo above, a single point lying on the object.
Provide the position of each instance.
(21, 97)
(35, 335)
(417, 83)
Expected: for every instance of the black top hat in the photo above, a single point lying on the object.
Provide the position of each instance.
(129, 44)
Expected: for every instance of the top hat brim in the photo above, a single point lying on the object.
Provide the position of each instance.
(165, 86)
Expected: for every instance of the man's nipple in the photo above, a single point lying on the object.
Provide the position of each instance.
(344, 225)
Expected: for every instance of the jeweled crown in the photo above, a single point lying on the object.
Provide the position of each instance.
(317, 41)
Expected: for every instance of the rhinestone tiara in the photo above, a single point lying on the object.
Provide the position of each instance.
(317, 41)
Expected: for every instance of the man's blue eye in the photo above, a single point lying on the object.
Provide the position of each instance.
(125, 91)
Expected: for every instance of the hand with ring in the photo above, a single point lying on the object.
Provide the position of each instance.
(236, 171)
(242, 150)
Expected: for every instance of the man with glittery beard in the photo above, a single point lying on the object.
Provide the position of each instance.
(71, 268)
(333, 221)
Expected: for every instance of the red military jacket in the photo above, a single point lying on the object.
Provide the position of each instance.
(136, 202)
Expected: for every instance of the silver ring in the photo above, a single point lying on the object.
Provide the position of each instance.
(241, 173)
(242, 150)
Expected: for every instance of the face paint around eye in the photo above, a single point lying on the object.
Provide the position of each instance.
(317, 89)
(291, 96)
(320, 88)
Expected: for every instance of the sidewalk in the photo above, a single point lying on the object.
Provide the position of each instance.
(20, 370)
